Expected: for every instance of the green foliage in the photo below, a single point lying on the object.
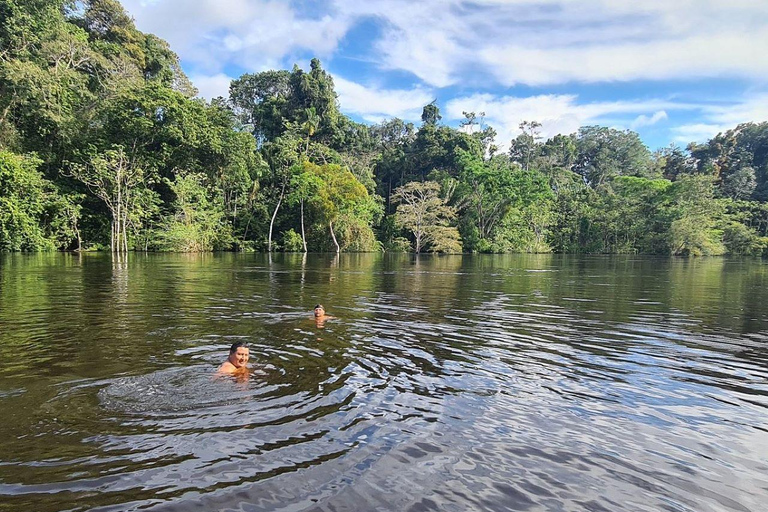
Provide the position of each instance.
(397, 244)
(574, 228)
(33, 216)
(341, 197)
(430, 114)
(305, 183)
(108, 113)
(695, 228)
(502, 200)
(741, 240)
(739, 184)
(118, 181)
(738, 159)
(273, 103)
(605, 153)
(355, 234)
(643, 208)
(427, 216)
(525, 148)
(261, 101)
(292, 241)
(524, 229)
(198, 223)
(672, 162)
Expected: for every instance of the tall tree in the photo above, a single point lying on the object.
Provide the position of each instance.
(261, 100)
(526, 146)
(430, 114)
(282, 155)
(697, 215)
(427, 216)
(340, 194)
(304, 184)
(605, 153)
(115, 179)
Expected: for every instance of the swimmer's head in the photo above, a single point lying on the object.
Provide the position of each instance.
(319, 310)
(239, 353)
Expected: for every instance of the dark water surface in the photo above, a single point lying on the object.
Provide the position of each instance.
(542, 383)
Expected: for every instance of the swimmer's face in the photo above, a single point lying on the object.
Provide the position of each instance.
(240, 357)
(319, 312)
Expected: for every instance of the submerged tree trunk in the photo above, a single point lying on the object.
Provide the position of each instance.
(303, 236)
(125, 231)
(333, 235)
(119, 214)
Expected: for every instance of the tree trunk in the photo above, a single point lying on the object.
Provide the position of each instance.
(125, 231)
(118, 245)
(5, 112)
(272, 222)
(303, 236)
(79, 239)
(333, 235)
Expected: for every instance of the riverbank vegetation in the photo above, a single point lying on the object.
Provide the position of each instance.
(103, 146)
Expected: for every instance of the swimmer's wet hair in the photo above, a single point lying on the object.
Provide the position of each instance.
(319, 306)
(236, 345)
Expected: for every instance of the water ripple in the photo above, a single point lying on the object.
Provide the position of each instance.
(444, 384)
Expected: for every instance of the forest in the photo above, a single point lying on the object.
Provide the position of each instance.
(103, 146)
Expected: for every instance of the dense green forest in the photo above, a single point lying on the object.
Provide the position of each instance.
(104, 147)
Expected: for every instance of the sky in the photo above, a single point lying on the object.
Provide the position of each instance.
(674, 71)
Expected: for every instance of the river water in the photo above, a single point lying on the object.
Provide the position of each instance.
(541, 383)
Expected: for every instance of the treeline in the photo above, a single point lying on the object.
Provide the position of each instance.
(103, 146)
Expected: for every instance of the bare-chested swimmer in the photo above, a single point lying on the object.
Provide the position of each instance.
(237, 362)
(320, 316)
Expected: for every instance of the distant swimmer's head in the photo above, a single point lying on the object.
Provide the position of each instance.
(319, 310)
(239, 353)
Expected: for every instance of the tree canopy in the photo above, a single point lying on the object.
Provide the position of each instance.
(104, 146)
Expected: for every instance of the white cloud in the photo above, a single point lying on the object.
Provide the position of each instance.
(708, 55)
(751, 108)
(556, 113)
(555, 41)
(644, 120)
(566, 114)
(210, 87)
(446, 42)
(720, 118)
(376, 104)
(697, 132)
(254, 34)
(425, 58)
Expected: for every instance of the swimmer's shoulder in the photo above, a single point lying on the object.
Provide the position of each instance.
(226, 367)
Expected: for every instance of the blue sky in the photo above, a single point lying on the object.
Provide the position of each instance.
(675, 71)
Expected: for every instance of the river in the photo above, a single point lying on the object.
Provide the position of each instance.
(452, 383)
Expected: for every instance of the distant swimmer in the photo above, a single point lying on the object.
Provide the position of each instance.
(237, 362)
(321, 317)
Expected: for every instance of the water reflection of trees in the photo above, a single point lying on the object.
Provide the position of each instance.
(148, 306)
(611, 306)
